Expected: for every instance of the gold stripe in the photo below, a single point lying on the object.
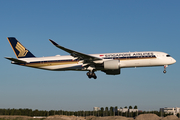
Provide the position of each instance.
(22, 50)
(37, 65)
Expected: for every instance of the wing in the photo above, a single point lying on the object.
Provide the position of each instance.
(81, 56)
(15, 60)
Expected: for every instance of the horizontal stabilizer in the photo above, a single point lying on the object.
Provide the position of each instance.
(15, 60)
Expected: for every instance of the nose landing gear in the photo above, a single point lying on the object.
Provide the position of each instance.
(91, 75)
(165, 66)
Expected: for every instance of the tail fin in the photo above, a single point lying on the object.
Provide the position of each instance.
(19, 50)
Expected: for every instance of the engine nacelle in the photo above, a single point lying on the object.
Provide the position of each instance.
(112, 65)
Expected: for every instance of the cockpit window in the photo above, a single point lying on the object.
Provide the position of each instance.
(168, 56)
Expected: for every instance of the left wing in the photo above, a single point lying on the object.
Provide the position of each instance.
(81, 56)
(15, 60)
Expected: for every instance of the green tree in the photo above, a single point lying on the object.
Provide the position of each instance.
(18, 112)
(111, 111)
(106, 111)
(126, 112)
(36, 113)
(102, 111)
(115, 110)
(135, 107)
(130, 107)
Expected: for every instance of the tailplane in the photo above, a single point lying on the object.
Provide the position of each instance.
(19, 50)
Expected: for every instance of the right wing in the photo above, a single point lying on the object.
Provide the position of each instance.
(81, 56)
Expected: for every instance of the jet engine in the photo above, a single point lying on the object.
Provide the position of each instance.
(112, 67)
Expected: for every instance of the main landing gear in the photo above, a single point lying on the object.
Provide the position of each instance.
(91, 75)
(165, 66)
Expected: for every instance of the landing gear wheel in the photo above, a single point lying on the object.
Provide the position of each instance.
(164, 71)
(91, 75)
(88, 73)
(95, 77)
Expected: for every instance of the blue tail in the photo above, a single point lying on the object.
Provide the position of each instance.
(19, 50)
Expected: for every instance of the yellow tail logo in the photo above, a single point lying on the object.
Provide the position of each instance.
(21, 49)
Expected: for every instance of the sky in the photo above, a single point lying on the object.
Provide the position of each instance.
(90, 27)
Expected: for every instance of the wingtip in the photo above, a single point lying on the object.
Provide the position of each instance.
(7, 58)
(54, 43)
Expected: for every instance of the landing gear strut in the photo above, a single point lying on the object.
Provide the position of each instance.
(91, 75)
(164, 71)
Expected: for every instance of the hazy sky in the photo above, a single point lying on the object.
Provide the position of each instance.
(90, 26)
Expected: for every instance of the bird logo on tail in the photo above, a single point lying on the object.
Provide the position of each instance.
(22, 50)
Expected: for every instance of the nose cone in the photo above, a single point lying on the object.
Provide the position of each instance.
(173, 61)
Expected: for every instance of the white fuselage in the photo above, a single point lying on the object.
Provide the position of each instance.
(127, 59)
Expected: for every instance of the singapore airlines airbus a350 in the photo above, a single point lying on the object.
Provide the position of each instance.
(110, 63)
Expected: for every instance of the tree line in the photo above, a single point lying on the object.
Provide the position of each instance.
(112, 111)
(102, 112)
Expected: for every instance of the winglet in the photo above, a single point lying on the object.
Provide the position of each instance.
(54, 43)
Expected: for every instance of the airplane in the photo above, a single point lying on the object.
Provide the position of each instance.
(110, 63)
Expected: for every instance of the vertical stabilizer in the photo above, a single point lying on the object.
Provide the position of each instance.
(19, 50)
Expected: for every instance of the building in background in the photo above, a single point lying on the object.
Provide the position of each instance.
(173, 111)
(127, 110)
(96, 108)
(123, 110)
(133, 110)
